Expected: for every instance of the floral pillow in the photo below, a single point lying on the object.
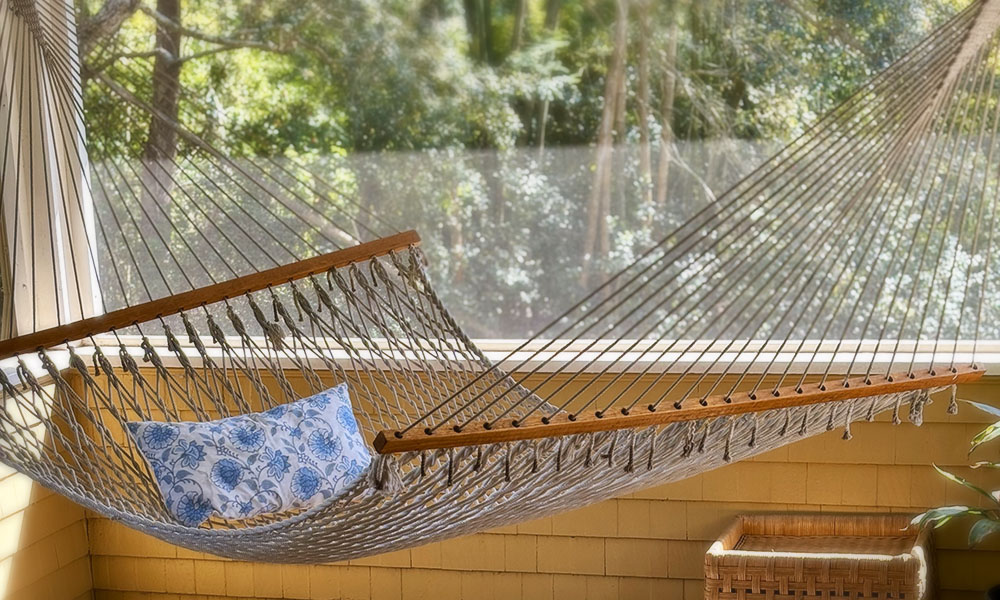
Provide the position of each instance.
(296, 455)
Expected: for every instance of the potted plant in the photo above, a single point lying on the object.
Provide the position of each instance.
(987, 518)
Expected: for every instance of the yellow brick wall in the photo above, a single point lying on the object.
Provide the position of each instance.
(648, 545)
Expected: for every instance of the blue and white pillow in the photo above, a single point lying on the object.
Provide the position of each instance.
(296, 455)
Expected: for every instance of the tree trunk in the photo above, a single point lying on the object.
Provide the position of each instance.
(552, 14)
(431, 11)
(370, 198)
(491, 168)
(160, 149)
(479, 22)
(551, 21)
(614, 175)
(456, 247)
(520, 14)
(667, 117)
(488, 31)
(642, 107)
(103, 23)
(473, 8)
(597, 237)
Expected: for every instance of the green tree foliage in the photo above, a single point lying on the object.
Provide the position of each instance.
(474, 120)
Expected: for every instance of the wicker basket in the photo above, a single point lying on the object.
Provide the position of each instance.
(788, 557)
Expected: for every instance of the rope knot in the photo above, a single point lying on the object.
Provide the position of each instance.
(302, 303)
(48, 365)
(652, 451)
(916, 414)
(356, 277)
(150, 355)
(78, 363)
(338, 278)
(848, 419)
(559, 456)
(870, 415)
(629, 466)
(895, 411)
(704, 439)
(384, 474)
(323, 296)
(128, 363)
(238, 324)
(218, 336)
(174, 345)
(103, 363)
(193, 336)
(273, 332)
(24, 374)
(688, 440)
(726, 456)
(953, 401)
(451, 466)
(377, 271)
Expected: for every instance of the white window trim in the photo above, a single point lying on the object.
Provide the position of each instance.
(568, 361)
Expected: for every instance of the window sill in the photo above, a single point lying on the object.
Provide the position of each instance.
(589, 356)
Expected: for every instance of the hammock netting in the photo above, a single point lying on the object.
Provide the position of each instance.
(860, 255)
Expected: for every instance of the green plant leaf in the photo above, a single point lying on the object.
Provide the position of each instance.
(942, 515)
(968, 484)
(986, 408)
(981, 529)
(991, 432)
(985, 464)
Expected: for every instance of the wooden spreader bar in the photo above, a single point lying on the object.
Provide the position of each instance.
(388, 442)
(162, 307)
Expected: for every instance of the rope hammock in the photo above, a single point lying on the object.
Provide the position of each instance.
(847, 276)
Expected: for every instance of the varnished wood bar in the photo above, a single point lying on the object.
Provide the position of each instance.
(388, 442)
(162, 307)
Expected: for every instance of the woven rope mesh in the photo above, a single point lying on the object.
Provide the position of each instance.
(852, 233)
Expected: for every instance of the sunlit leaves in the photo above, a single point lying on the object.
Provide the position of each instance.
(987, 521)
(981, 529)
(941, 516)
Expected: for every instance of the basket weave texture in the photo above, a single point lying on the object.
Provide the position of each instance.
(792, 557)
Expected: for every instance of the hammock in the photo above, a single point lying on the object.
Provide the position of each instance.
(846, 277)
